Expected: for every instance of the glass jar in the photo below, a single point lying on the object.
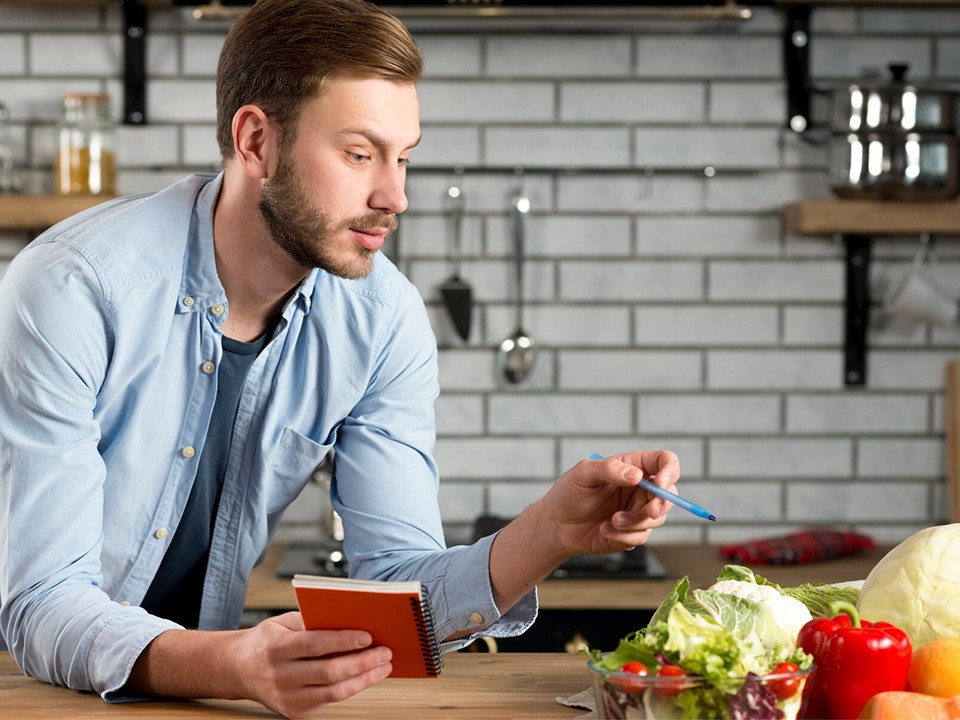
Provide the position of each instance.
(9, 179)
(86, 161)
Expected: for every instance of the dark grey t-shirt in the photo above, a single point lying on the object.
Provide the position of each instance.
(177, 588)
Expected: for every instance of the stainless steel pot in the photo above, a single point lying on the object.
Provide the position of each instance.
(895, 106)
(894, 140)
(913, 166)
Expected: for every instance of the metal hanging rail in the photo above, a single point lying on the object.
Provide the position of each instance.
(708, 171)
(729, 10)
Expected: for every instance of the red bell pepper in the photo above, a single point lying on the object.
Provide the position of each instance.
(853, 661)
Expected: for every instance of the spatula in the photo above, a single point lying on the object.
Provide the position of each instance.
(456, 292)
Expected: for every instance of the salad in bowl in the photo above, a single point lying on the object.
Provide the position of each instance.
(727, 651)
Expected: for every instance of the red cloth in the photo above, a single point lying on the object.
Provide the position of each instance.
(810, 545)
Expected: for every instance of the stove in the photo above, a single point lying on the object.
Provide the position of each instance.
(313, 557)
(325, 557)
(318, 557)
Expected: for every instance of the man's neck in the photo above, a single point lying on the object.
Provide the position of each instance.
(257, 276)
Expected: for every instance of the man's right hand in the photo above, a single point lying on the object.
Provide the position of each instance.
(290, 670)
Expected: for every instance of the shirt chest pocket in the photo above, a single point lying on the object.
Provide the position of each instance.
(294, 462)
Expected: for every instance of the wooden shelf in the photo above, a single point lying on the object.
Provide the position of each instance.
(871, 3)
(74, 3)
(872, 217)
(858, 222)
(38, 212)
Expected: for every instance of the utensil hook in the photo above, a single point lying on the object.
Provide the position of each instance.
(926, 253)
(521, 209)
(456, 199)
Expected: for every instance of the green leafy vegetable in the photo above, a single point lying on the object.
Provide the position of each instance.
(916, 587)
(817, 597)
(718, 638)
(744, 618)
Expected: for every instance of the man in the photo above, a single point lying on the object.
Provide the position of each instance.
(174, 366)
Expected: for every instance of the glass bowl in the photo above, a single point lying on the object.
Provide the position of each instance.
(622, 695)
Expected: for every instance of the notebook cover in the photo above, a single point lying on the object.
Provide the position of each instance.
(401, 621)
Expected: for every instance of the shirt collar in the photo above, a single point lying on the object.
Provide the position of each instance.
(200, 287)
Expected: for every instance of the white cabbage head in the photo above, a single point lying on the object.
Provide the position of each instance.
(916, 586)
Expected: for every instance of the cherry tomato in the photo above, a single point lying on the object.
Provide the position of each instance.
(636, 667)
(785, 687)
(632, 667)
(670, 689)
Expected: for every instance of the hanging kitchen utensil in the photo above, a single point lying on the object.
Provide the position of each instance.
(456, 292)
(518, 350)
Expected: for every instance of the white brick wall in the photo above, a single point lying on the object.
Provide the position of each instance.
(670, 308)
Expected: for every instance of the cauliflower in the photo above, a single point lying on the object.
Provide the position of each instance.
(789, 612)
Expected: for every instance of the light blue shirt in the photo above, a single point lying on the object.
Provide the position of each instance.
(109, 341)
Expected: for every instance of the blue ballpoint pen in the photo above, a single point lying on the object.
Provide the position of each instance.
(653, 488)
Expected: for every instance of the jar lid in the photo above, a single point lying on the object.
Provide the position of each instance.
(80, 102)
(85, 96)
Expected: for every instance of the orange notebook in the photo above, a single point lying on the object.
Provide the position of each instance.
(396, 614)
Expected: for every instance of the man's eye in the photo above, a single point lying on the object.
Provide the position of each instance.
(357, 157)
(403, 162)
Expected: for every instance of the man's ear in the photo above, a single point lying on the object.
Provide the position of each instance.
(254, 141)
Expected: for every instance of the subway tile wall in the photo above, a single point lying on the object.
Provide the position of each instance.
(670, 308)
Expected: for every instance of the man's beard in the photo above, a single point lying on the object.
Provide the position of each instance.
(307, 234)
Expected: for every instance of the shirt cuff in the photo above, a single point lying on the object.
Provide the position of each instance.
(515, 621)
(468, 600)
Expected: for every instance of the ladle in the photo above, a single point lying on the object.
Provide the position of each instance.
(518, 350)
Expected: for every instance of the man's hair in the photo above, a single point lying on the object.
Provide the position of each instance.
(281, 53)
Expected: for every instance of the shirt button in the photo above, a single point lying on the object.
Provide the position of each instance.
(476, 618)
(217, 310)
(160, 533)
(188, 300)
(208, 367)
(125, 603)
(188, 452)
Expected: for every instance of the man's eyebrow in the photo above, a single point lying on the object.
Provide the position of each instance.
(373, 137)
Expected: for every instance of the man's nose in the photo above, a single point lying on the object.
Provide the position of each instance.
(389, 194)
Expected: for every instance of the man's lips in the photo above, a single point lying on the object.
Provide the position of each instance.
(371, 238)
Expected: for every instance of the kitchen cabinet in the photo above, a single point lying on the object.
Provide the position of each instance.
(38, 212)
(858, 222)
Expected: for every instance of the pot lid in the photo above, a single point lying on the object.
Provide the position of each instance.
(897, 83)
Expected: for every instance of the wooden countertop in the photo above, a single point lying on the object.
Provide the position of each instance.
(491, 686)
(472, 685)
(700, 562)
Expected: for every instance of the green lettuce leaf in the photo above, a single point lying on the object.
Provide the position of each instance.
(744, 618)
(677, 594)
(817, 597)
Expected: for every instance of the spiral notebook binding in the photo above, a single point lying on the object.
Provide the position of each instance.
(427, 633)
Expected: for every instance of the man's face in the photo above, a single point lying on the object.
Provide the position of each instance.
(338, 187)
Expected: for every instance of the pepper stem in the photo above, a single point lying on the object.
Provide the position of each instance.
(842, 606)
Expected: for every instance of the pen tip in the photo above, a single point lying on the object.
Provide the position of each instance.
(712, 518)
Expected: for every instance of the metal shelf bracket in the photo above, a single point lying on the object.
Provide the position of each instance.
(857, 311)
(134, 63)
(796, 61)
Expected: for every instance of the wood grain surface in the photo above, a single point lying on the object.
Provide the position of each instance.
(473, 685)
